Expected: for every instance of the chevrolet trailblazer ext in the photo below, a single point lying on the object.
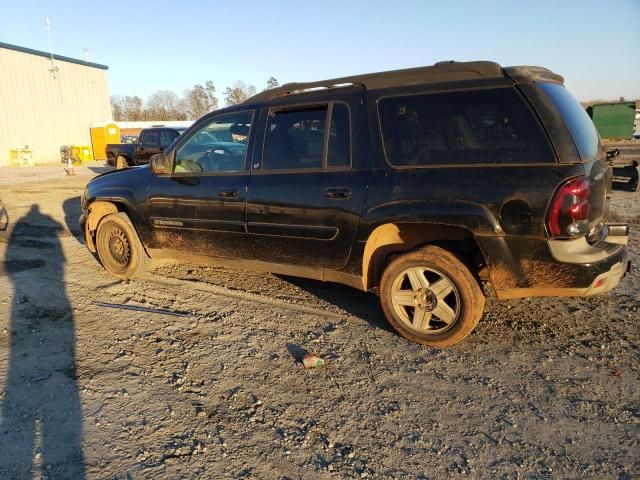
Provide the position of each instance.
(416, 183)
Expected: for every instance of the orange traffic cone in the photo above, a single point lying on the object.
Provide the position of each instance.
(69, 168)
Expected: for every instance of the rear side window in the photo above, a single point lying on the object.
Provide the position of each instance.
(576, 119)
(295, 139)
(299, 138)
(167, 137)
(460, 128)
(151, 137)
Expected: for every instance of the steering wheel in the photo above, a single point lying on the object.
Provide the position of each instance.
(217, 158)
(188, 165)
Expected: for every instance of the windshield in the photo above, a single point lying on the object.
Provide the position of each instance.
(578, 122)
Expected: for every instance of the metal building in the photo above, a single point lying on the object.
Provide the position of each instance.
(47, 101)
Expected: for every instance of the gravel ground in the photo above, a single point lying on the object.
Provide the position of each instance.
(544, 388)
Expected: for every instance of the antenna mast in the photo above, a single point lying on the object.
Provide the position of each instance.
(54, 68)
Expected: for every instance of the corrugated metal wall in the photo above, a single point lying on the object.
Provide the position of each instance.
(44, 112)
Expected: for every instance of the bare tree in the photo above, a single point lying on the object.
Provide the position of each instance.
(272, 83)
(164, 105)
(238, 93)
(200, 100)
(127, 108)
(117, 109)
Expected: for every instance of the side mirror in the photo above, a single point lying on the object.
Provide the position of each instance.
(160, 164)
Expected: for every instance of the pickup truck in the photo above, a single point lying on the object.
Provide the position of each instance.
(151, 141)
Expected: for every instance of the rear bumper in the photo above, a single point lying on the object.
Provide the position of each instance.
(603, 283)
(526, 267)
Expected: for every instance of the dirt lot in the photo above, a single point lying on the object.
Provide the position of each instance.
(544, 388)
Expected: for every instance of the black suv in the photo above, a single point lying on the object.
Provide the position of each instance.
(417, 184)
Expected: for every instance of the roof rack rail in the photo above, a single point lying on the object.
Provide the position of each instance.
(297, 88)
(441, 72)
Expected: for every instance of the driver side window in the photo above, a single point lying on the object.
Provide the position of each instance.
(218, 146)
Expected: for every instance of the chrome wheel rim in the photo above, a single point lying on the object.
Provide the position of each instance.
(425, 300)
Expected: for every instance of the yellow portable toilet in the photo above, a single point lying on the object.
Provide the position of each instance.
(101, 135)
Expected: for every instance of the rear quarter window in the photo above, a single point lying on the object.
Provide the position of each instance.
(150, 137)
(576, 119)
(493, 126)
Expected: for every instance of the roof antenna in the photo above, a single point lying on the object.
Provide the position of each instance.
(54, 68)
(85, 54)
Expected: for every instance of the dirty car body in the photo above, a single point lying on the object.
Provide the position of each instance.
(337, 180)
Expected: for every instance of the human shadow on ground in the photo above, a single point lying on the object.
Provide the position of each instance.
(41, 413)
(100, 170)
(72, 210)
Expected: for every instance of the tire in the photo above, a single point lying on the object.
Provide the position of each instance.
(121, 162)
(119, 248)
(421, 314)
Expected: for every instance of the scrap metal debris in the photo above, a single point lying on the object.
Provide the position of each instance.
(143, 309)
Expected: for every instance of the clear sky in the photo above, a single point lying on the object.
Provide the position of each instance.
(149, 46)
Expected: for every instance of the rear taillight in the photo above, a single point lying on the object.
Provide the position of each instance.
(568, 214)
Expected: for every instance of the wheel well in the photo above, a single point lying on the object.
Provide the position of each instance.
(126, 158)
(392, 239)
(97, 211)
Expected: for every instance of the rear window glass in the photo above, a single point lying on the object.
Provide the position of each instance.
(576, 119)
(482, 126)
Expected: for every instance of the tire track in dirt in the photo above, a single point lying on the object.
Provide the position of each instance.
(225, 293)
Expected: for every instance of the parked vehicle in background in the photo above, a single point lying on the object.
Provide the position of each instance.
(151, 141)
(416, 184)
(624, 158)
(616, 124)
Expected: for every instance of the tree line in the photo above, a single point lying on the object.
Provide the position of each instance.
(164, 105)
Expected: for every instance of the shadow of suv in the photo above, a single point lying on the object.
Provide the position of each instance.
(414, 183)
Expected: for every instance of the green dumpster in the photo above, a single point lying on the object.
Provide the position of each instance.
(613, 120)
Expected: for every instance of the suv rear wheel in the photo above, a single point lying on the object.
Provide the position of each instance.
(119, 247)
(430, 297)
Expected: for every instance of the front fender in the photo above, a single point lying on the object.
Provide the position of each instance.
(127, 189)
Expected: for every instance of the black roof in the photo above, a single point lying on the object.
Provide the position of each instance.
(449, 71)
(61, 58)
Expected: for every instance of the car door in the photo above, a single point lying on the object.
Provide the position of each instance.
(200, 207)
(148, 145)
(309, 180)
